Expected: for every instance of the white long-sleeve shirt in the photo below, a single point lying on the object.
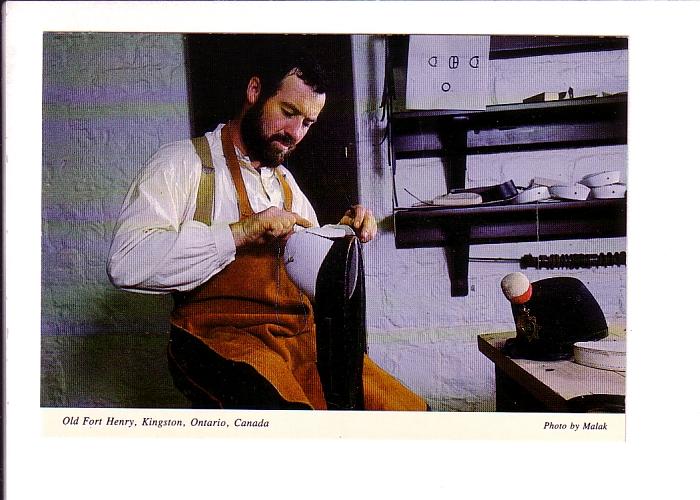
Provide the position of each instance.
(157, 247)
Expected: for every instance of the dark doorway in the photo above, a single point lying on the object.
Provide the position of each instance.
(324, 164)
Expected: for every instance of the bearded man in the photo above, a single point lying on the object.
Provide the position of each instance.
(206, 220)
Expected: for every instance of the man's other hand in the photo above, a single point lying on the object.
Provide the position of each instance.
(362, 220)
(270, 224)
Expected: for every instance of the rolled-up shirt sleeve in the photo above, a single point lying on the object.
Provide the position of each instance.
(156, 246)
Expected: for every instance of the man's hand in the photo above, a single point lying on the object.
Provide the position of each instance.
(265, 226)
(362, 221)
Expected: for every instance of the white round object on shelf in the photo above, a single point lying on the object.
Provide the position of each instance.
(611, 191)
(604, 354)
(532, 195)
(601, 179)
(575, 192)
(458, 199)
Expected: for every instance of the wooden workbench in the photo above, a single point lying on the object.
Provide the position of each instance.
(551, 386)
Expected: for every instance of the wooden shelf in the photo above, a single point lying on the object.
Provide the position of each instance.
(458, 228)
(444, 226)
(510, 127)
(454, 136)
(518, 107)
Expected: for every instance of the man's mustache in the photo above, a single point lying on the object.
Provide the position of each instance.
(283, 139)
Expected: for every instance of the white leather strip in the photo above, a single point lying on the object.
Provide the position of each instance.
(611, 191)
(577, 192)
(331, 231)
(532, 195)
(601, 179)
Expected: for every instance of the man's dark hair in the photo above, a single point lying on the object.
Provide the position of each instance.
(279, 62)
(220, 67)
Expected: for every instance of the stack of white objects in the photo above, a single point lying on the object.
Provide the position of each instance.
(601, 185)
(593, 186)
(605, 185)
(561, 191)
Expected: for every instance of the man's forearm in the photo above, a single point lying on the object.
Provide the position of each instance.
(162, 261)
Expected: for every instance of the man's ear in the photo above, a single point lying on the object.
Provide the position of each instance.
(253, 90)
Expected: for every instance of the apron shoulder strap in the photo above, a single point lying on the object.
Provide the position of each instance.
(234, 167)
(286, 190)
(205, 194)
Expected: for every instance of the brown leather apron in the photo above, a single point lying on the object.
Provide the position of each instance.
(252, 313)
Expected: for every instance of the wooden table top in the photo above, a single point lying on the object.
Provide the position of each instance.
(553, 381)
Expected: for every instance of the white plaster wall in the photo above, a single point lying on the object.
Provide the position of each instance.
(109, 101)
(416, 329)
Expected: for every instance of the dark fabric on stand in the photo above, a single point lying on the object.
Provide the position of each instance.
(341, 336)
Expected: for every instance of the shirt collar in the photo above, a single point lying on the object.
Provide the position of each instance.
(246, 163)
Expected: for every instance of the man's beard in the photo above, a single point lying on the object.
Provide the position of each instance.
(260, 148)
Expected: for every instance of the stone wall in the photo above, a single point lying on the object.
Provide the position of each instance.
(109, 101)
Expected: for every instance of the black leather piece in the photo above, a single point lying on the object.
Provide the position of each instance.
(498, 192)
(341, 335)
(560, 312)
